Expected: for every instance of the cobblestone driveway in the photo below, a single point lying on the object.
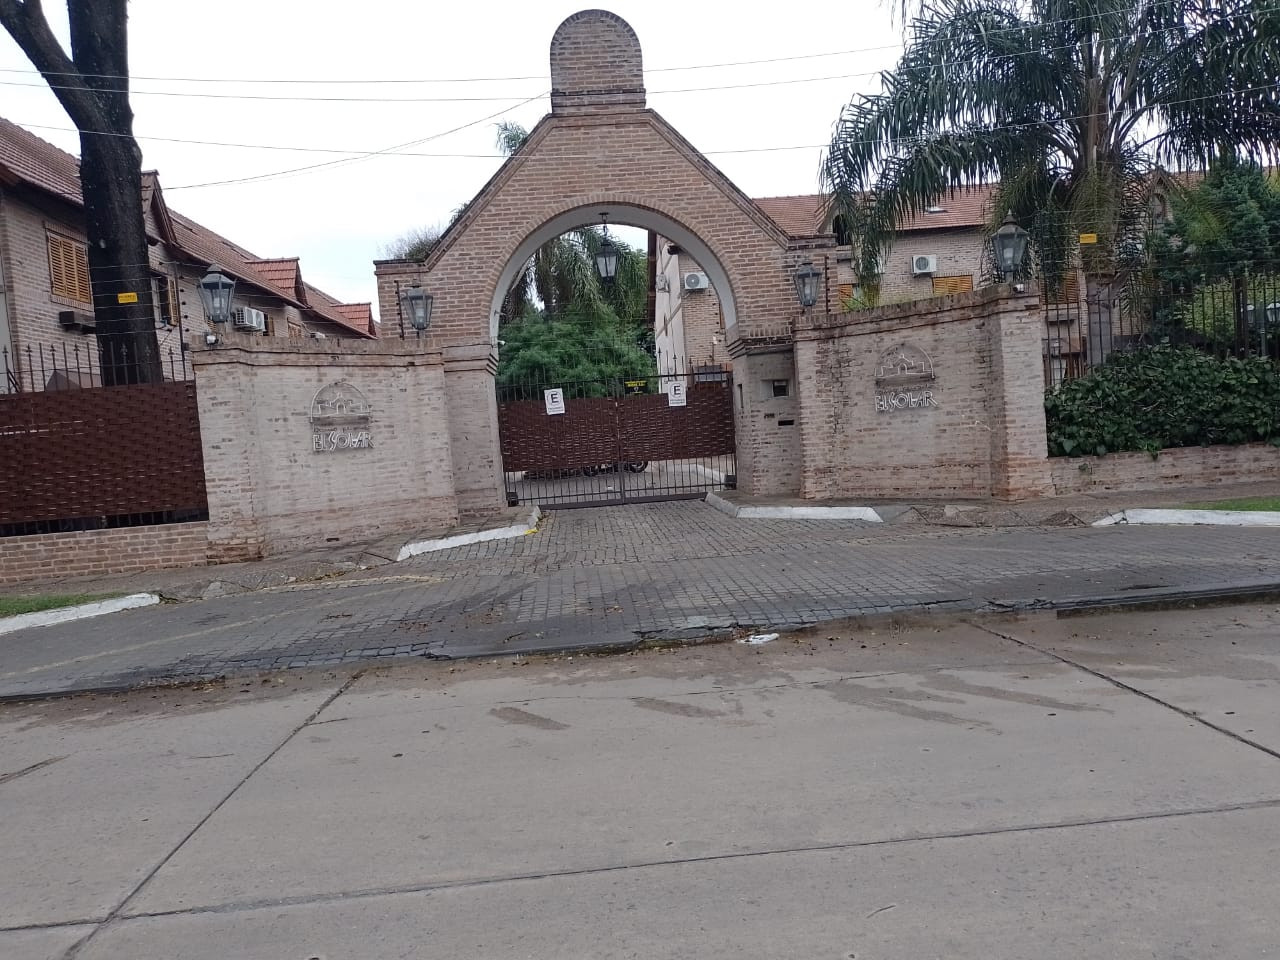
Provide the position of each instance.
(611, 576)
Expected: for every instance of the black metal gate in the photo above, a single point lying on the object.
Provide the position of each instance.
(591, 443)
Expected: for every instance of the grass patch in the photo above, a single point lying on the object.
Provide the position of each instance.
(12, 606)
(1269, 504)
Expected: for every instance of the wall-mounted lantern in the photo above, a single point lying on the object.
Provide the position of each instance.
(807, 277)
(416, 304)
(216, 289)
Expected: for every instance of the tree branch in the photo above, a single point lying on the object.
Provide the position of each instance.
(26, 23)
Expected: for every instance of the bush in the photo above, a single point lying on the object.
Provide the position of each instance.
(1164, 397)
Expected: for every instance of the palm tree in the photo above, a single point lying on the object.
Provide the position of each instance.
(1066, 104)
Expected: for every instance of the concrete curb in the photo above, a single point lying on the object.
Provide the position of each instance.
(81, 611)
(705, 631)
(780, 512)
(1220, 518)
(464, 539)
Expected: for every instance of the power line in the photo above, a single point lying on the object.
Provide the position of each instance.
(365, 81)
(392, 151)
(333, 163)
(943, 65)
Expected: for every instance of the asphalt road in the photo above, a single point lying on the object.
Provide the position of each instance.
(1093, 787)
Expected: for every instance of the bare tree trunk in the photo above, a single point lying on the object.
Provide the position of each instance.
(93, 87)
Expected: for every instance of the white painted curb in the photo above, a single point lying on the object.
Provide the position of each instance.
(465, 539)
(1220, 518)
(46, 618)
(749, 512)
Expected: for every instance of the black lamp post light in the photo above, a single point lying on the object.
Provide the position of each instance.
(807, 278)
(1009, 243)
(607, 255)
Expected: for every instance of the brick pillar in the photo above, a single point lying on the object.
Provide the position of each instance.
(229, 432)
(473, 428)
(767, 428)
(1019, 441)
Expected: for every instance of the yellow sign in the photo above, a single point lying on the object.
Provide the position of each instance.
(1088, 238)
(126, 298)
(637, 383)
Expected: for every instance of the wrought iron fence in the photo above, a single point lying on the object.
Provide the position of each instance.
(92, 362)
(1224, 313)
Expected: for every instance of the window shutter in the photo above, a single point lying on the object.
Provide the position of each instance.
(69, 269)
(957, 284)
(1068, 290)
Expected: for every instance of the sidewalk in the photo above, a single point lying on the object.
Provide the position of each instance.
(617, 578)
(195, 583)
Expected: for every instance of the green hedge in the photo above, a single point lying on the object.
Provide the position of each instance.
(1161, 397)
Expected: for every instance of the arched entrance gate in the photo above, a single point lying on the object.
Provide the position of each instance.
(602, 151)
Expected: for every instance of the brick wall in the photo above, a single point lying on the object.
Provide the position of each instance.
(32, 307)
(99, 552)
(270, 491)
(980, 432)
(595, 64)
(768, 431)
(1174, 468)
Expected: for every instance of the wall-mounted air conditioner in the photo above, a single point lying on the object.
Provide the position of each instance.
(247, 318)
(696, 281)
(924, 263)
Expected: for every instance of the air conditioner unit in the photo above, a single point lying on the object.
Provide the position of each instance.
(75, 320)
(924, 263)
(696, 281)
(247, 318)
(317, 335)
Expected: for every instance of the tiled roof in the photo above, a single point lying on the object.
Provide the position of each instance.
(800, 216)
(330, 309)
(805, 215)
(283, 272)
(39, 162)
(27, 158)
(360, 314)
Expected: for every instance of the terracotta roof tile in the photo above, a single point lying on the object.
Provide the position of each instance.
(800, 216)
(283, 272)
(39, 162)
(359, 314)
(803, 216)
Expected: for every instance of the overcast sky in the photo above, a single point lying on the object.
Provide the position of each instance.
(258, 64)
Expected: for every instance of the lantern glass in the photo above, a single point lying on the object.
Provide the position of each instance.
(417, 306)
(607, 259)
(806, 278)
(1009, 243)
(216, 289)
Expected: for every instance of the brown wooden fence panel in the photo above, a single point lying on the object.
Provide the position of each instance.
(600, 430)
(105, 453)
(585, 435)
(652, 429)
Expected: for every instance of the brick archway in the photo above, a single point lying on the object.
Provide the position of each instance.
(602, 149)
(619, 211)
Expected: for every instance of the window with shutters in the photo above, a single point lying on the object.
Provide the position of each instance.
(958, 284)
(69, 269)
(165, 298)
(1065, 291)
